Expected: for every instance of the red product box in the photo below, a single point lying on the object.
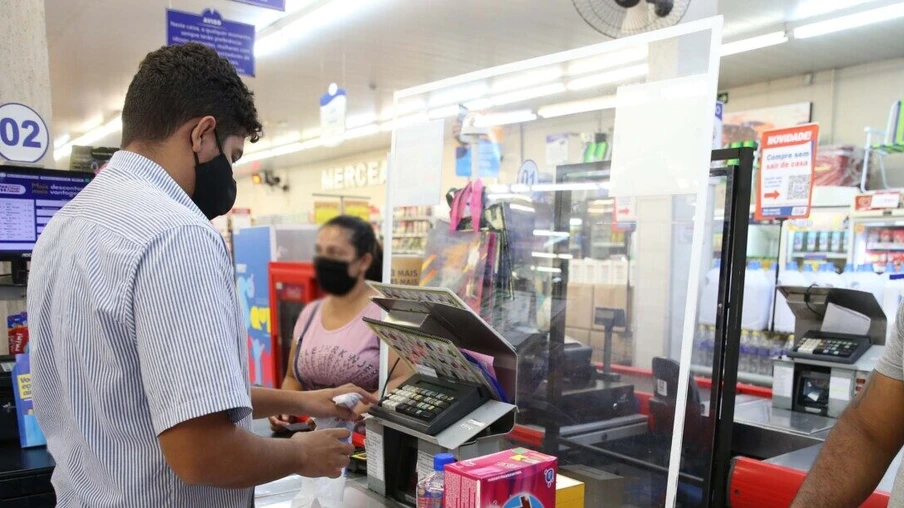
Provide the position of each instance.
(517, 478)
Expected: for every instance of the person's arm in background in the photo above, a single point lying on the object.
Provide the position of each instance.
(191, 368)
(859, 448)
(279, 421)
(866, 438)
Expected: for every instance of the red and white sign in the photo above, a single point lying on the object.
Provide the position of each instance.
(787, 162)
(625, 213)
(884, 200)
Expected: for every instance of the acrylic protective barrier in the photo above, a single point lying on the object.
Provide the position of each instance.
(588, 174)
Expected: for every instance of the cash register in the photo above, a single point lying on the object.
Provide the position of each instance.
(840, 337)
(461, 399)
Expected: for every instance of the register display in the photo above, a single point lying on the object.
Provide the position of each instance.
(28, 199)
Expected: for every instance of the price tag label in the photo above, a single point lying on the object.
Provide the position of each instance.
(23, 134)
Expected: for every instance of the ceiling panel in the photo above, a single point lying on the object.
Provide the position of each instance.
(392, 45)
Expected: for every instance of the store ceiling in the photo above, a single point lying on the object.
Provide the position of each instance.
(95, 47)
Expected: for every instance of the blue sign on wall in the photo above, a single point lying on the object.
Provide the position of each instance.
(279, 5)
(252, 253)
(233, 41)
(490, 154)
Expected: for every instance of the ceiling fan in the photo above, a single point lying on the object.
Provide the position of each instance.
(620, 18)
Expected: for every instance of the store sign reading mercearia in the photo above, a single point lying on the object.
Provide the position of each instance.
(352, 176)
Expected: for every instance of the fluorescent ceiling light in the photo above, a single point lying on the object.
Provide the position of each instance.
(443, 112)
(575, 107)
(360, 120)
(312, 133)
(850, 21)
(762, 41)
(609, 78)
(60, 141)
(508, 83)
(402, 108)
(507, 118)
(812, 8)
(457, 95)
(608, 61)
(360, 132)
(404, 121)
(330, 12)
(530, 93)
(89, 138)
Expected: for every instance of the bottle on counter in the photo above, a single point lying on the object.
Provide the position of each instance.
(431, 488)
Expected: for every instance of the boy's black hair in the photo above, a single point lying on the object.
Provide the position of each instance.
(177, 83)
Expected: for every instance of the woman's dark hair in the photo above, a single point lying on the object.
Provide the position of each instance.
(362, 236)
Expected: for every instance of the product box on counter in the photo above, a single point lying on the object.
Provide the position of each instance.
(513, 478)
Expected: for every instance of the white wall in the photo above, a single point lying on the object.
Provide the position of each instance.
(845, 101)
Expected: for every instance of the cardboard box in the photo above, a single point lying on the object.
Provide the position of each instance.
(502, 478)
(406, 270)
(579, 306)
(579, 335)
(569, 492)
(601, 489)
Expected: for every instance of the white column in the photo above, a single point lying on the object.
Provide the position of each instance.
(661, 257)
(24, 79)
(24, 60)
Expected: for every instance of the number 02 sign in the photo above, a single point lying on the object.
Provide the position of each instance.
(23, 134)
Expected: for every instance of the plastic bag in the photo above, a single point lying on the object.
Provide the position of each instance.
(320, 493)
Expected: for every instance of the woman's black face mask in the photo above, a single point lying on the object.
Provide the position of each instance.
(333, 277)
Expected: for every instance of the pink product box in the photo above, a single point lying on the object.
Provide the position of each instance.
(517, 478)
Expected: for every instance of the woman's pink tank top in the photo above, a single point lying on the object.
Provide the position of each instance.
(331, 358)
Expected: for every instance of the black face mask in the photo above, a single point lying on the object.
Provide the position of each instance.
(214, 186)
(333, 277)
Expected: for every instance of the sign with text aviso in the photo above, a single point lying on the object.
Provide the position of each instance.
(233, 41)
(787, 162)
(278, 5)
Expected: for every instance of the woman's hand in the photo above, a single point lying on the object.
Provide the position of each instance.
(279, 423)
(319, 403)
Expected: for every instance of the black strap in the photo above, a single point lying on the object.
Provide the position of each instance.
(298, 346)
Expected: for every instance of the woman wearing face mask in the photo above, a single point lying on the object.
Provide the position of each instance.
(333, 346)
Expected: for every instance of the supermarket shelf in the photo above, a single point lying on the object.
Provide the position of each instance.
(827, 255)
(743, 377)
(884, 246)
(421, 218)
(408, 253)
(410, 235)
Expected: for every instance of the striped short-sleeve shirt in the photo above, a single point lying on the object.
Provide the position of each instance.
(134, 329)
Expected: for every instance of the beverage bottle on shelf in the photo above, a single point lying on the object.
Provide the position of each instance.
(431, 488)
(836, 241)
(697, 357)
(799, 238)
(789, 345)
(847, 276)
(811, 240)
(764, 354)
(709, 297)
(809, 274)
(892, 296)
(709, 335)
(757, 297)
(869, 281)
(827, 276)
(824, 244)
(744, 352)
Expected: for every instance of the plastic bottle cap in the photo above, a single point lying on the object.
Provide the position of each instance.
(441, 459)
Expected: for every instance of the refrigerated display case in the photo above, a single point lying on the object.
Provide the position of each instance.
(825, 236)
(878, 238)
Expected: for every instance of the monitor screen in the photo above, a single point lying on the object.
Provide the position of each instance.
(28, 199)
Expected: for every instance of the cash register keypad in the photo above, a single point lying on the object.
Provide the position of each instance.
(417, 402)
(827, 347)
